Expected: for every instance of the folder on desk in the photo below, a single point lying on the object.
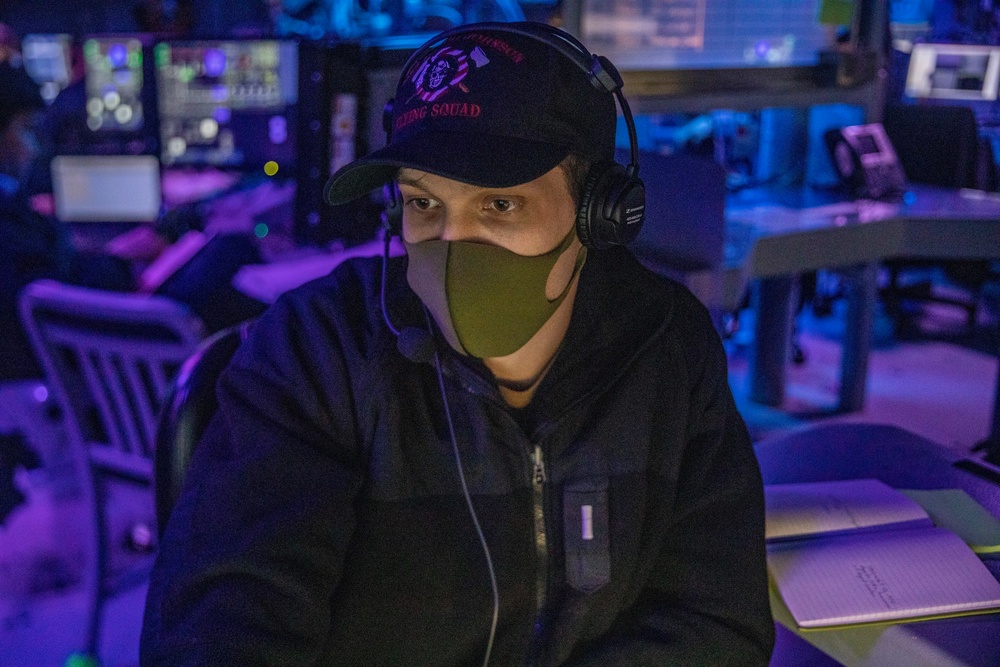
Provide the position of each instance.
(857, 551)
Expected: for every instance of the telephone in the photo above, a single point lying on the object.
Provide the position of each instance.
(866, 161)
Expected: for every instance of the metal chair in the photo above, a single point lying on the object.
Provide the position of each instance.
(108, 360)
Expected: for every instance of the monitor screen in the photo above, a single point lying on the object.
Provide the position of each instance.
(954, 71)
(227, 103)
(693, 34)
(113, 69)
(106, 188)
(47, 62)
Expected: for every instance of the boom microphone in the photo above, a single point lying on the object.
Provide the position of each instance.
(414, 343)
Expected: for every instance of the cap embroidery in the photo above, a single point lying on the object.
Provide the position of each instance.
(444, 70)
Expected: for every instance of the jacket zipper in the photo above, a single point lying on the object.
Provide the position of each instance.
(541, 542)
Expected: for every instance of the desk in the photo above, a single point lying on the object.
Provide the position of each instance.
(767, 243)
(902, 460)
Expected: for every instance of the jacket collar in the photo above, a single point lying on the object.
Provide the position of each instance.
(620, 307)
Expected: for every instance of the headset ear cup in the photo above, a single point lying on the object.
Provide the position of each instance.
(585, 213)
(611, 207)
(627, 207)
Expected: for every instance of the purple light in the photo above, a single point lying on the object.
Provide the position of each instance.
(117, 54)
(761, 49)
(41, 393)
(277, 129)
(222, 115)
(215, 62)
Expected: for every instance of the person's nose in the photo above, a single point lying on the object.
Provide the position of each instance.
(458, 226)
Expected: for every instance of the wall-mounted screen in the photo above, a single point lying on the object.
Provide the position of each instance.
(693, 34)
(47, 62)
(954, 72)
(228, 103)
(114, 80)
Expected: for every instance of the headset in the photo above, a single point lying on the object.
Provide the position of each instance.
(613, 198)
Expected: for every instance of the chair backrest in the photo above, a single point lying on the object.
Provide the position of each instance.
(940, 145)
(108, 361)
(684, 228)
(188, 408)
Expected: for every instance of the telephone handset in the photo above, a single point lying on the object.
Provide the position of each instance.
(866, 161)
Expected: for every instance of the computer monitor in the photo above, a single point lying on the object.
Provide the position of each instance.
(968, 72)
(228, 103)
(106, 188)
(114, 81)
(698, 34)
(47, 62)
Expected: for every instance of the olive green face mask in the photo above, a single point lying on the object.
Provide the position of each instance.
(487, 300)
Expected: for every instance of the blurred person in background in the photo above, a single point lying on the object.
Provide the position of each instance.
(34, 246)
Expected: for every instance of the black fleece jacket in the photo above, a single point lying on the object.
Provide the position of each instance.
(323, 520)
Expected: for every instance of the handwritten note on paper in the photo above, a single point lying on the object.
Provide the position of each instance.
(804, 509)
(880, 576)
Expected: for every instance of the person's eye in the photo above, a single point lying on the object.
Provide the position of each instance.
(421, 203)
(503, 205)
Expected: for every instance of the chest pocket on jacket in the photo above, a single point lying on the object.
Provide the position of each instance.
(585, 530)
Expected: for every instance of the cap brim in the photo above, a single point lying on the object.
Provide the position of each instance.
(483, 160)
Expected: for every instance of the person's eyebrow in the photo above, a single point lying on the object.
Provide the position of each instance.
(411, 181)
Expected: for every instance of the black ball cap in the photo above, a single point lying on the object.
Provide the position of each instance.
(488, 107)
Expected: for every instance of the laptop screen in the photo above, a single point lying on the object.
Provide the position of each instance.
(118, 188)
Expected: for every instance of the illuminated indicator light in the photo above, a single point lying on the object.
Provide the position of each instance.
(95, 106)
(215, 62)
(271, 168)
(260, 230)
(123, 78)
(112, 99)
(208, 128)
(80, 660)
(123, 114)
(117, 54)
(176, 146)
(909, 197)
(277, 129)
(41, 393)
(162, 55)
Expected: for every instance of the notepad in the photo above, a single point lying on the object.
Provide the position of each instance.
(858, 551)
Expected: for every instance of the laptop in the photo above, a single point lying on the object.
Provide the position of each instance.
(106, 188)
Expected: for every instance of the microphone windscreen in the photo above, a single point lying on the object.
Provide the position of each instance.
(415, 344)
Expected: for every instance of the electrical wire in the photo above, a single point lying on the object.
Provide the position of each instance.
(472, 509)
